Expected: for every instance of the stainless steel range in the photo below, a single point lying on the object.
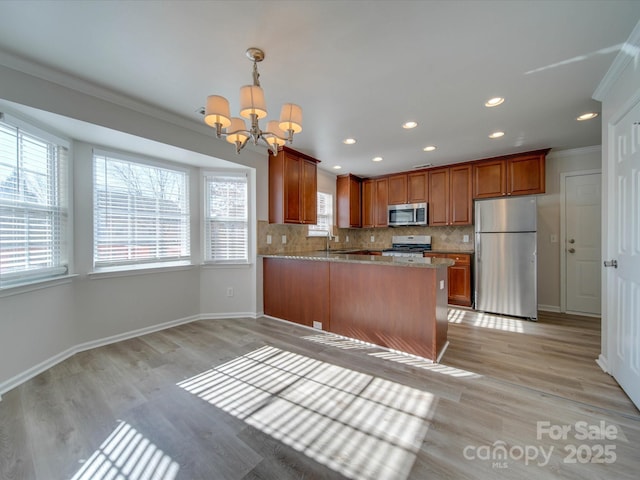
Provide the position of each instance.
(408, 246)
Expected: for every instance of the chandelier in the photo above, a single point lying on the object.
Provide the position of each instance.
(252, 107)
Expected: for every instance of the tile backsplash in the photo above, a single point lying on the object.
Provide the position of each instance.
(442, 238)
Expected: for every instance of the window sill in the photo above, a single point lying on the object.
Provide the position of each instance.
(130, 270)
(35, 285)
(209, 265)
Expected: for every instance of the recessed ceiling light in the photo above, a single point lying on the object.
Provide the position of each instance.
(349, 141)
(587, 116)
(429, 148)
(377, 159)
(337, 167)
(496, 135)
(494, 102)
(409, 125)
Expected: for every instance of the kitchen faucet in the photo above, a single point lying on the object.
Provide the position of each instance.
(329, 237)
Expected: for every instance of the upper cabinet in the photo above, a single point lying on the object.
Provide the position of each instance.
(375, 198)
(417, 191)
(450, 201)
(408, 188)
(397, 189)
(293, 186)
(349, 201)
(522, 174)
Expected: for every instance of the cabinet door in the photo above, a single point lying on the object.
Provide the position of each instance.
(381, 201)
(348, 190)
(526, 175)
(439, 197)
(368, 191)
(460, 204)
(397, 189)
(417, 187)
(459, 279)
(490, 179)
(309, 195)
(292, 189)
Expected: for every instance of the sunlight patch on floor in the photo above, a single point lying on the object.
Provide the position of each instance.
(356, 424)
(485, 320)
(414, 361)
(455, 315)
(338, 341)
(128, 455)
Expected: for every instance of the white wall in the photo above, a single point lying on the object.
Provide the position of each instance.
(41, 326)
(557, 163)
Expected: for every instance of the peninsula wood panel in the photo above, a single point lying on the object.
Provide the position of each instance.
(396, 307)
(297, 290)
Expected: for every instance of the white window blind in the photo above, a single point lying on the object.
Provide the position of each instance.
(226, 218)
(141, 212)
(33, 204)
(324, 225)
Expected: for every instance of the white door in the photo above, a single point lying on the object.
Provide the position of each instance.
(582, 242)
(623, 282)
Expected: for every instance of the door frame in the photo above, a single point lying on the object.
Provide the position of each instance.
(563, 235)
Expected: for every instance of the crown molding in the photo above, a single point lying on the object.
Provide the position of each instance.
(629, 50)
(575, 152)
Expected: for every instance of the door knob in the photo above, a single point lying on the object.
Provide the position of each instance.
(572, 250)
(571, 240)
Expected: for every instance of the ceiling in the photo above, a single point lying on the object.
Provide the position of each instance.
(358, 68)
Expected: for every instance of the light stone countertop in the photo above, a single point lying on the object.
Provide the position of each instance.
(346, 257)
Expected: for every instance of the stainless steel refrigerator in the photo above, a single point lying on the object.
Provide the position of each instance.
(505, 265)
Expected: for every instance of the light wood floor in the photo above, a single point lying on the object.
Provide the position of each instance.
(262, 399)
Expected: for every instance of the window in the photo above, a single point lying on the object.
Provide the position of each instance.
(33, 204)
(226, 218)
(141, 212)
(325, 216)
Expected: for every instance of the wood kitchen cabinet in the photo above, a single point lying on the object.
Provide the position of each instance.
(397, 189)
(450, 196)
(522, 174)
(349, 201)
(293, 187)
(375, 194)
(408, 188)
(458, 277)
(417, 187)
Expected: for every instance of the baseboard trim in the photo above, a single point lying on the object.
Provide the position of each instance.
(584, 314)
(82, 347)
(603, 364)
(549, 308)
(444, 349)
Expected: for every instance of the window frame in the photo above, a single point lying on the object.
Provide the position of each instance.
(62, 236)
(206, 261)
(311, 232)
(136, 267)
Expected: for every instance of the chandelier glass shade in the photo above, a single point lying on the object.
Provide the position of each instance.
(252, 107)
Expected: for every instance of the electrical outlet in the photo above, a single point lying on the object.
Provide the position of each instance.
(465, 239)
(347, 239)
(373, 239)
(336, 239)
(317, 325)
(230, 292)
(268, 239)
(284, 239)
(441, 284)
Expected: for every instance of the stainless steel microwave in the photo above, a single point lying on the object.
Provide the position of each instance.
(408, 214)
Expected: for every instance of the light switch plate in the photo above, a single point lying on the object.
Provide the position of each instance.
(268, 239)
(553, 238)
(336, 239)
(465, 239)
(441, 284)
(373, 239)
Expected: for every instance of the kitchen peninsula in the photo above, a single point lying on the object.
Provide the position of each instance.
(394, 302)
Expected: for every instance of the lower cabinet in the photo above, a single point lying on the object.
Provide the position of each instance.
(458, 278)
